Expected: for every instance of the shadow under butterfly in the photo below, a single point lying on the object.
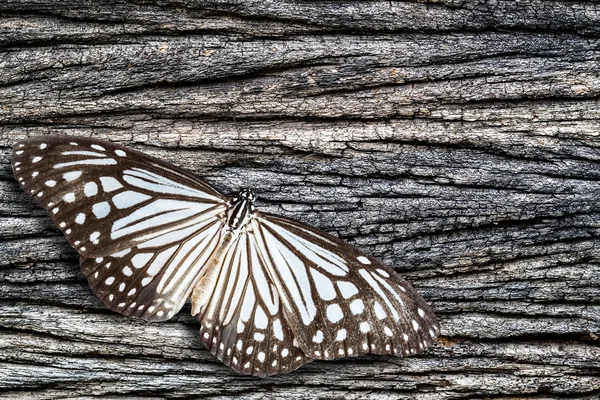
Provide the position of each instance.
(270, 293)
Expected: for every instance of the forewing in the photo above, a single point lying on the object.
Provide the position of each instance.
(338, 301)
(142, 226)
(243, 322)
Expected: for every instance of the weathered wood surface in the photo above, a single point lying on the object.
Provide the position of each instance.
(457, 141)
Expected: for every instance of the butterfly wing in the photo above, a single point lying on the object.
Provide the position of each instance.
(337, 301)
(143, 228)
(286, 293)
(243, 323)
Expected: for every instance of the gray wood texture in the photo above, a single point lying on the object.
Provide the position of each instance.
(458, 141)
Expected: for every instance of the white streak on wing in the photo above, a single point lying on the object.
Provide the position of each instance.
(156, 183)
(277, 330)
(389, 288)
(323, 284)
(160, 260)
(185, 263)
(83, 153)
(105, 161)
(369, 278)
(263, 286)
(129, 199)
(322, 257)
(175, 235)
(237, 281)
(248, 304)
(284, 259)
(170, 211)
(71, 176)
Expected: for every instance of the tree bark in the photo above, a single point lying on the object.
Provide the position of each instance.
(456, 141)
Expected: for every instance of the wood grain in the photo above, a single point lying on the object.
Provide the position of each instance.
(457, 141)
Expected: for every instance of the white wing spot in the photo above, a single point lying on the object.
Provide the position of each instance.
(387, 347)
(284, 353)
(131, 292)
(74, 144)
(365, 327)
(318, 353)
(146, 281)
(43, 146)
(160, 314)
(129, 199)
(140, 308)
(110, 280)
(259, 337)
(110, 184)
(206, 335)
(62, 225)
(415, 325)
(363, 260)
(249, 350)
(405, 336)
(388, 331)
(71, 176)
(261, 357)
(318, 338)
(33, 175)
(341, 335)
(334, 313)
(432, 334)
(90, 189)
(260, 319)
(357, 306)
(341, 352)
(40, 194)
(36, 159)
(379, 311)
(120, 153)
(51, 183)
(139, 260)
(101, 210)
(69, 197)
(235, 360)
(121, 286)
(55, 210)
(274, 363)
(383, 273)
(94, 237)
(247, 365)
(127, 271)
(111, 297)
(421, 312)
(239, 345)
(347, 289)
(240, 327)
(98, 147)
(365, 346)
(80, 219)
(68, 231)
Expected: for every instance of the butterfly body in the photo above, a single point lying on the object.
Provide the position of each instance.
(270, 293)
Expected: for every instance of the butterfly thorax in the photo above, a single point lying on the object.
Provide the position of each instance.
(241, 210)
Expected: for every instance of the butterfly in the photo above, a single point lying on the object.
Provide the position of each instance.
(270, 293)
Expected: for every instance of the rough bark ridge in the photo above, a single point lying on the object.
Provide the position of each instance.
(457, 141)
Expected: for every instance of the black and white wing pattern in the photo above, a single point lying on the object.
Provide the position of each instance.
(287, 293)
(144, 229)
(243, 321)
(338, 301)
